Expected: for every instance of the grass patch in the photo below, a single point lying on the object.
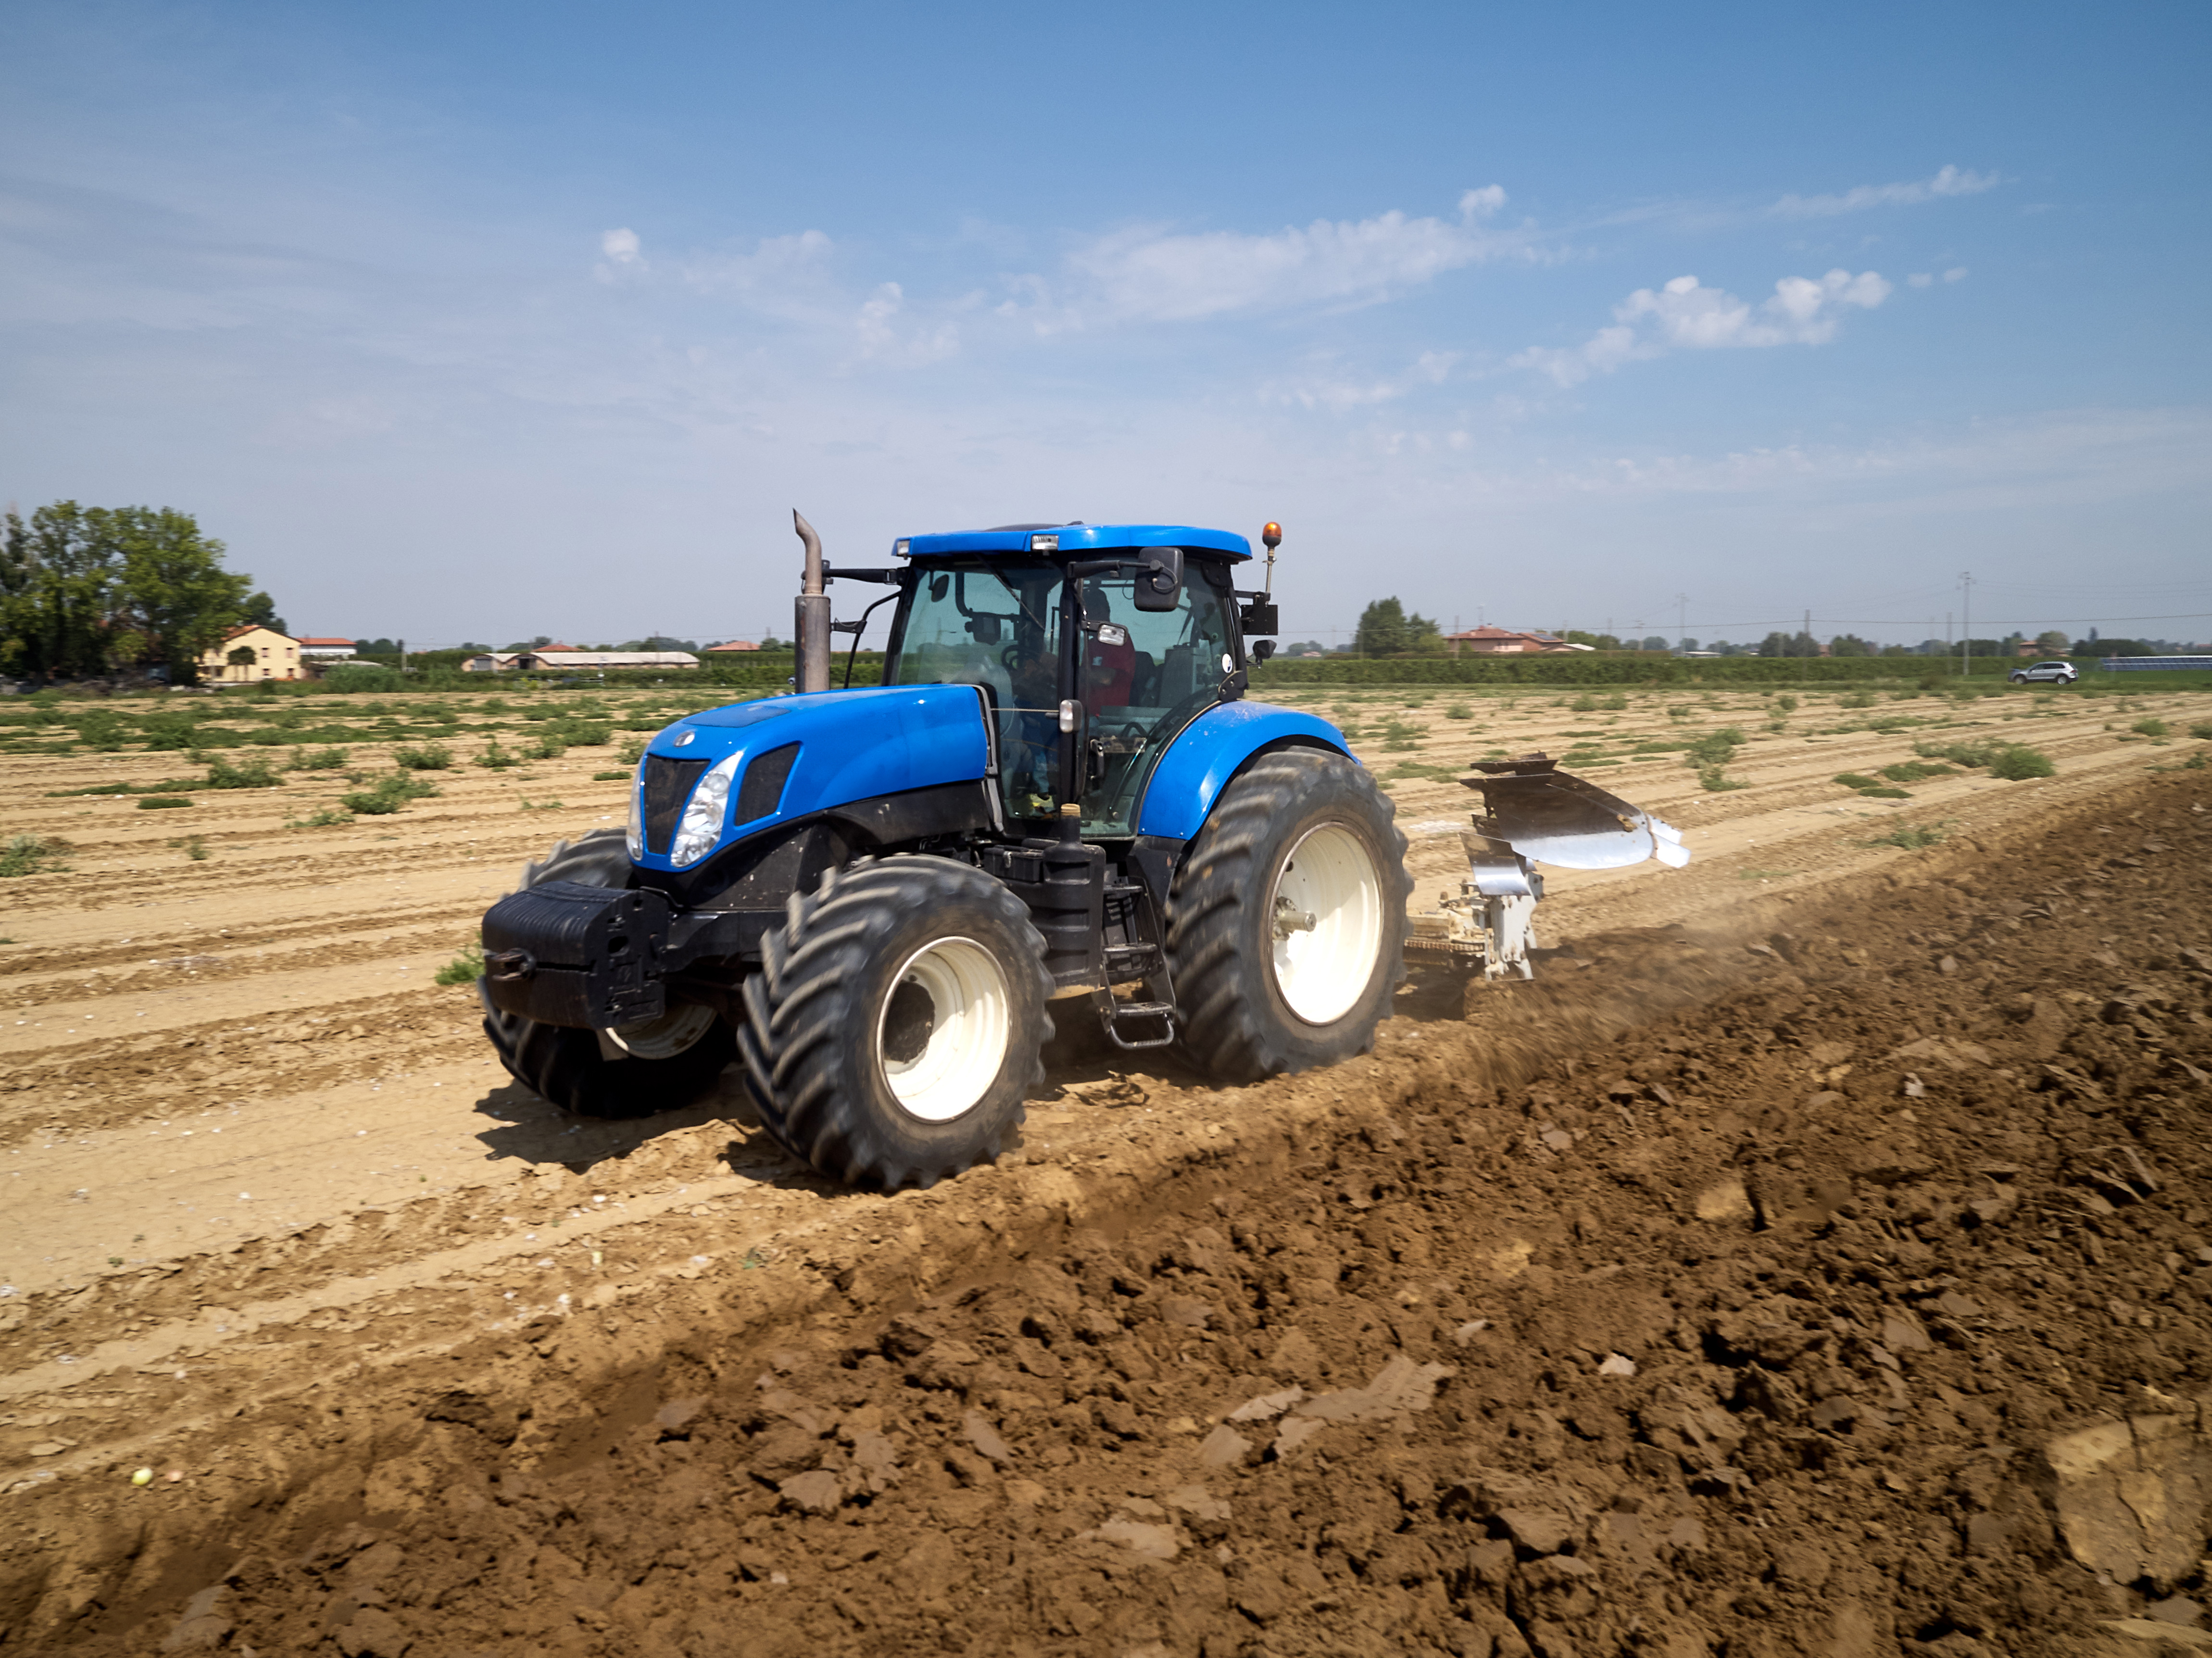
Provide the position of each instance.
(320, 760)
(162, 802)
(255, 774)
(27, 855)
(497, 758)
(387, 795)
(541, 806)
(1854, 779)
(328, 818)
(1715, 781)
(1714, 749)
(1458, 711)
(194, 846)
(548, 747)
(622, 776)
(102, 732)
(1911, 837)
(1857, 699)
(465, 968)
(1422, 768)
(2202, 730)
(1916, 771)
(2013, 762)
(2146, 728)
(423, 756)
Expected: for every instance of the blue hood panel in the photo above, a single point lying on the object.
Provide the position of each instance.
(854, 745)
(1208, 753)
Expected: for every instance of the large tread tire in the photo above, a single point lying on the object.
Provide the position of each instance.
(820, 1014)
(1237, 1023)
(565, 1065)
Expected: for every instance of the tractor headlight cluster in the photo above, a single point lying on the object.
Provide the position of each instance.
(703, 817)
(633, 837)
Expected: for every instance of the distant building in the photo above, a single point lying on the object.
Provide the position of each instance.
(249, 653)
(326, 649)
(1506, 642)
(734, 645)
(489, 662)
(563, 657)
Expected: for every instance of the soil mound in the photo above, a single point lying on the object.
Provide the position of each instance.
(1857, 1304)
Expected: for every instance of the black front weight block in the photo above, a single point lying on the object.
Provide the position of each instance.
(571, 955)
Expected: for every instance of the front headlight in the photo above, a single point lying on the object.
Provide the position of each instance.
(703, 817)
(633, 837)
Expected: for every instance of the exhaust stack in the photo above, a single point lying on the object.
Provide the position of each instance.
(811, 629)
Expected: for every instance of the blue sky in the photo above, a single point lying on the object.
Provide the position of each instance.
(492, 320)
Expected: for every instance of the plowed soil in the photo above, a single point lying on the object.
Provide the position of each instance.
(1759, 1280)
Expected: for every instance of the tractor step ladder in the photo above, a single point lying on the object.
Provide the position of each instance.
(1122, 963)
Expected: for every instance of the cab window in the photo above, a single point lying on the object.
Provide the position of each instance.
(1145, 675)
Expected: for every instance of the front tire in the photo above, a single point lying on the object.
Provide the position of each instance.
(1286, 921)
(665, 1062)
(896, 1025)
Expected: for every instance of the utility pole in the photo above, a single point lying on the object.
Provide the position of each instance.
(403, 656)
(1682, 619)
(1967, 621)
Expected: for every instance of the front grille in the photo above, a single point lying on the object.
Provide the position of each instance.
(667, 787)
(762, 788)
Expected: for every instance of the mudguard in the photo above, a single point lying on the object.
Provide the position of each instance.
(1208, 753)
(855, 745)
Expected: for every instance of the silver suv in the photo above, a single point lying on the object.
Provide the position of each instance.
(2055, 673)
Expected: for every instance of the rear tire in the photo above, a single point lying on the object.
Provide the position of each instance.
(672, 1061)
(1286, 921)
(895, 1026)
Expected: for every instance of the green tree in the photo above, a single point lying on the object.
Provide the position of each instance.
(1386, 629)
(1850, 645)
(59, 587)
(86, 589)
(260, 610)
(1595, 642)
(178, 599)
(2050, 642)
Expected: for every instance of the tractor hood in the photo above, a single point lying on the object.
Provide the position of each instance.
(786, 757)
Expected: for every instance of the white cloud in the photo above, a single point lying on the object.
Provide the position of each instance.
(1339, 395)
(623, 256)
(882, 338)
(1918, 279)
(1950, 181)
(1956, 273)
(1686, 315)
(1151, 275)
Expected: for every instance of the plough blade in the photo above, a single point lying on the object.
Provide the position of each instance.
(1549, 816)
(1532, 813)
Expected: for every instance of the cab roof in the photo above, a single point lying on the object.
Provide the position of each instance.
(1075, 538)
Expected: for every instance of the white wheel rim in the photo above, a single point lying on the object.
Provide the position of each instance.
(1325, 916)
(665, 1037)
(938, 1060)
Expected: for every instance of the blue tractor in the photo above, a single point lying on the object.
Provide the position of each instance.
(873, 897)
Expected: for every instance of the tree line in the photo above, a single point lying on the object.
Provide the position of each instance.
(87, 591)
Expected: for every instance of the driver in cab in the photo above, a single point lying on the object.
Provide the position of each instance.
(1110, 660)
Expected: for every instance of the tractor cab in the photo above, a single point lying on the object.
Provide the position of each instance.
(1095, 646)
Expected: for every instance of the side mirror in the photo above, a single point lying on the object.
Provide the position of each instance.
(1159, 578)
(983, 629)
(1262, 649)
